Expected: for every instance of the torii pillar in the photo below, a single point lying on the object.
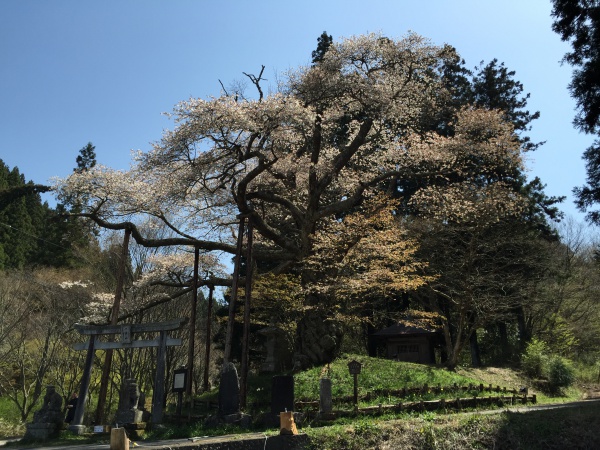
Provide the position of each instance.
(162, 342)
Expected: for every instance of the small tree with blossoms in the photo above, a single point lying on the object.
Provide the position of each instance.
(300, 162)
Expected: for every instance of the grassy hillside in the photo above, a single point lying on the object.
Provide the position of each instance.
(382, 374)
(555, 429)
(435, 430)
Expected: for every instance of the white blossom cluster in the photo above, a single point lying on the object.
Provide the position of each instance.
(68, 284)
(297, 159)
(97, 310)
(178, 265)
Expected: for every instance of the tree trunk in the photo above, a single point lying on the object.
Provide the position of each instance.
(318, 340)
(475, 353)
(524, 331)
(504, 345)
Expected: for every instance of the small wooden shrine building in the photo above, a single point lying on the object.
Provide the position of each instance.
(409, 343)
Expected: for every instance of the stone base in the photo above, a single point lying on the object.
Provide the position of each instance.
(42, 431)
(271, 420)
(129, 416)
(241, 419)
(77, 429)
(267, 367)
(135, 431)
(326, 415)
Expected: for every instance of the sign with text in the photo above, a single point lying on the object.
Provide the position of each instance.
(179, 380)
(354, 367)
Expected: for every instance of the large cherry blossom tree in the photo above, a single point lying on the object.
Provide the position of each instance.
(301, 161)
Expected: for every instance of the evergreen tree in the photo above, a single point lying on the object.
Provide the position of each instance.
(578, 22)
(498, 251)
(66, 234)
(20, 205)
(323, 43)
(31, 232)
(494, 87)
(86, 159)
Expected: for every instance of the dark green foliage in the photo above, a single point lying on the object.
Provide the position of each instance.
(540, 209)
(20, 213)
(490, 86)
(505, 258)
(32, 233)
(535, 359)
(63, 235)
(323, 43)
(494, 87)
(457, 81)
(589, 195)
(86, 159)
(560, 373)
(578, 22)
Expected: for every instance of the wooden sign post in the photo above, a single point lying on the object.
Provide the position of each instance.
(354, 367)
(180, 383)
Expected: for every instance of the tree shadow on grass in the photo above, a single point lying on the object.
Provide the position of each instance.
(569, 427)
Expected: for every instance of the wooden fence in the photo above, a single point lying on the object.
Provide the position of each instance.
(480, 396)
(478, 399)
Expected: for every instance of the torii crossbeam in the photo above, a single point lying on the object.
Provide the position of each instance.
(126, 331)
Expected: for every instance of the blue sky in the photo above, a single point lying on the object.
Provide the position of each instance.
(75, 71)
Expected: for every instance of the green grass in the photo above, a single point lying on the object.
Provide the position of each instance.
(376, 374)
(383, 374)
(587, 373)
(535, 430)
(10, 419)
(426, 428)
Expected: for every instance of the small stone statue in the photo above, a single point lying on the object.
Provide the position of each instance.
(128, 411)
(50, 412)
(132, 394)
(48, 420)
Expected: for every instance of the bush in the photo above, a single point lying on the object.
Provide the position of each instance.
(560, 373)
(587, 371)
(535, 358)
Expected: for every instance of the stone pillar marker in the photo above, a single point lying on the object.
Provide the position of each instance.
(229, 391)
(275, 350)
(118, 439)
(325, 396)
(282, 394)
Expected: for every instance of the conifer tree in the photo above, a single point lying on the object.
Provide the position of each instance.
(578, 22)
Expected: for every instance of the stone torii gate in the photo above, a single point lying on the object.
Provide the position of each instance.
(126, 331)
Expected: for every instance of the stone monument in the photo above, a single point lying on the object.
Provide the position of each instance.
(282, 394)
(229, 400)
(130, 413)
(229, 391)
(325, 397)
(48, 420)
(277, 353)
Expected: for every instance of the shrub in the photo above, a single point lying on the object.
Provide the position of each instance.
(535, 358)
(587, 371)
(560, 373)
